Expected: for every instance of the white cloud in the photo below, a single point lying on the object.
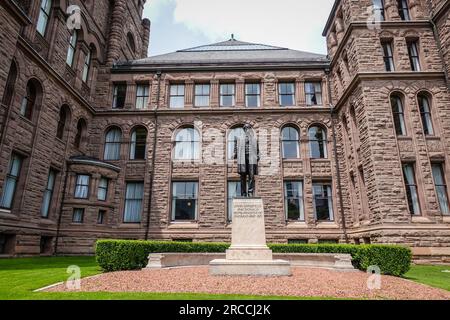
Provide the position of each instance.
(295, 24)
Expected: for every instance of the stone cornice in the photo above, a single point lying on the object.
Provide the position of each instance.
(437, 14)
(385, 24)
(44, 65)
(368, 76)
(16, 11)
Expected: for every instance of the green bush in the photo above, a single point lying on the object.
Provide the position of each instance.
(114, 255)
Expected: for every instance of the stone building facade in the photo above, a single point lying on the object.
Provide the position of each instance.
(99, 141)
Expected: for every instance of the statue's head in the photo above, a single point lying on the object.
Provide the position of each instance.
(247, 127)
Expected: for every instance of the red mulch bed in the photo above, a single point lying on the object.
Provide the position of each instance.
(304, 282)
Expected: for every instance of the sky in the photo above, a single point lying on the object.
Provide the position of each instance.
(181, 24)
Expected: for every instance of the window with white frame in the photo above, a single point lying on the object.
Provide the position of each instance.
(202, 92)
(44, 16)
(388, 56)
(323, 202)
(411, 188)
(252, 95)
(413, 51)
(441, 187)
(286, 93)
(176, 96)
(227, 95)
(290, 142)
(11, 181)
(133, 202)
(187, 144)
(293, 200)
(184, 201)
(82, 186)
(142, 96)
(102, 192)
(72, 48)
(48, 193)
(313, 91)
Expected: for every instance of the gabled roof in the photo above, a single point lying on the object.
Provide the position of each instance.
(229, 53)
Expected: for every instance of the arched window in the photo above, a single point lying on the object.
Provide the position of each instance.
(113, 142)
(63, 116)
(425, 114)
(318, 142)
(399, 114)
(29, 101)
(138, 143)
(81, 132)
(131, 42)
(10, 84)
(233, 135)
(290, 143)
(72, 48)
(187, 144)
(44, 16)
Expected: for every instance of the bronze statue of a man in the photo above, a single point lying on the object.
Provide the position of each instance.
(246, 151)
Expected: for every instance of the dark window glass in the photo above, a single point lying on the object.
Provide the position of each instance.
(313, 91)
(425, 114)
(102, 192)
(413, 52)
(61, 123)
(48, 193)
(399, 116)
(318, 143)
(184, 201)
(138, 144)
(101, 216)
(411, 188)
(403, 10)
(388, 56)
(441, 187)
(323, 202)
(293, 200)
(11, 181)
(120, 93)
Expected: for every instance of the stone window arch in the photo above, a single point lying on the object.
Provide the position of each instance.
(32, 99)
(398, 112)
(318, 142)
(290, 146)
(10, 84)
(81, 133)
(187, 144)
(64, 115)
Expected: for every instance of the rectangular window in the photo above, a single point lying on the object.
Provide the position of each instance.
(120, 93)
(201, 95)
(11, 181)
(388, 56)
(411, 188)
(234, 190)
(252, 95)
(78, 215)
(82, 186)
(286, 94)
(227, 95)
(413, 52)
(184, 201)
(86, 66)
(101, 216)
(72, 48)
(177, 96)
(293, 200)
(48, 193)
(102, 193)
(441, 187)
(378, 10)
(142, 95)
(44, 16)
(133, 202)
(403, 10)
(313, 91)
(323, 202)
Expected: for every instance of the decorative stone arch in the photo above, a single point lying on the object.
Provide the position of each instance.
(64, 121)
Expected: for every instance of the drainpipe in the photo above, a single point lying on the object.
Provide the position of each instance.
(61, 208)
(441, 54)
(338, 171)
(152, 169)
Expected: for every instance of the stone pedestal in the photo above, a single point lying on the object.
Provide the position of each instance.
(249, 254)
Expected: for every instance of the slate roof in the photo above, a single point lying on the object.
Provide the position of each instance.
(228, 53)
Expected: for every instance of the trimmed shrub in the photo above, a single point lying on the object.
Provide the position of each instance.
(115, 255)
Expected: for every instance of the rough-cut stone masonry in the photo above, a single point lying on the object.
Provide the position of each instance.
(365, 168)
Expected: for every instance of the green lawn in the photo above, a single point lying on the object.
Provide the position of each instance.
(430, 275)
(19, 277)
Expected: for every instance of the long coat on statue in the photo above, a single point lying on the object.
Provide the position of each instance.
(246, 148)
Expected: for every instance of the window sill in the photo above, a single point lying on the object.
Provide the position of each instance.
(46, 221)
(406, 138)
(7, 214)
(183, 225)
(293, 160)
(130, 225)
(327, 224)
(296, 224)
(446, 219)
(435, 138)
(420, 219)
